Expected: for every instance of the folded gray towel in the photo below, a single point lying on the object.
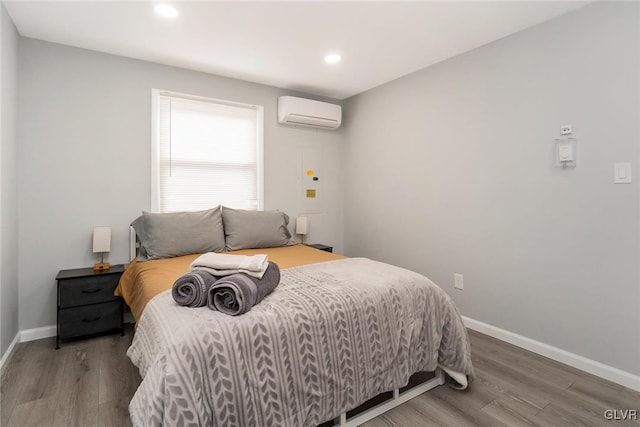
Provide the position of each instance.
(192, 289)
(237, 293)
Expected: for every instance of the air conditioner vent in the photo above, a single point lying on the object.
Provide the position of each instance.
(309, 113)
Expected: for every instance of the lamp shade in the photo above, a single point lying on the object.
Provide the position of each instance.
(101, 239)
(302, 225)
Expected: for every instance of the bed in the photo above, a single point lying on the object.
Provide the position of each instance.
(322, 349)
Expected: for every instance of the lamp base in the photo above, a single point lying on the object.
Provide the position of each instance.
(103, 266)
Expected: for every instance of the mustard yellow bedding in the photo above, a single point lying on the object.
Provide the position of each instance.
(142, 281)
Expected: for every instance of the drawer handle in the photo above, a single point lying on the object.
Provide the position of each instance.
(91, 320)
(92, 291)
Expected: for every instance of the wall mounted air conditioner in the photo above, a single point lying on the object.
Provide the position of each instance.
(307, 112)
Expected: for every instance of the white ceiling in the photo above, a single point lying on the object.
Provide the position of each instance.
(283, 43)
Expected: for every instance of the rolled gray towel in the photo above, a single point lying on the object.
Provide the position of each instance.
(237, 293)
(191, 289)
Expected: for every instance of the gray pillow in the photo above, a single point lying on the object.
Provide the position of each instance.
(255, 229)
(167, 235)
(138, 225)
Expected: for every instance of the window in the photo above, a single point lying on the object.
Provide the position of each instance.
(205, 152)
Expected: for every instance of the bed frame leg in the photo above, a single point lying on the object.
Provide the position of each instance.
(440, 376)
(343, 419)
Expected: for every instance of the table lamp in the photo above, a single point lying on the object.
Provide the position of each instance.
(101, 244)
(302, 225)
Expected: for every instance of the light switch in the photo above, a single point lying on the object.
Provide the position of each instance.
(622, 173)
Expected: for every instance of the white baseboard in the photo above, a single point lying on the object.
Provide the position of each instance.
(28, 335)
(610, 373)
(38, 333)
(7, 353)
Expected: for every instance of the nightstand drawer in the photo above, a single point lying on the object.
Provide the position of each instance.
(87, 290)
(90, 319)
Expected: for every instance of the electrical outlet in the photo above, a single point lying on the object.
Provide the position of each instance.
(565, 130)
(458, 281)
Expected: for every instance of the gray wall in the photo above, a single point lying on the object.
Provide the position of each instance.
(449, 170)
(84, 125)
(8, 182)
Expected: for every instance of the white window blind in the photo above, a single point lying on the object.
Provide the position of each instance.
(208, 153)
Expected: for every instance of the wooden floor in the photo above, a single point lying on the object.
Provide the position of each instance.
(89, 383)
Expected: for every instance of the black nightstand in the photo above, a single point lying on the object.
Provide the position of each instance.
(322, 247)
(86, 304)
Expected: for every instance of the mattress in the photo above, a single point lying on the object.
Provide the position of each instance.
(144, 280)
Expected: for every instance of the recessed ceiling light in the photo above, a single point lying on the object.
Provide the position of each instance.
(332, 58)
(166, 10)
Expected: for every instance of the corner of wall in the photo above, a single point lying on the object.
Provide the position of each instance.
(9, 322)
